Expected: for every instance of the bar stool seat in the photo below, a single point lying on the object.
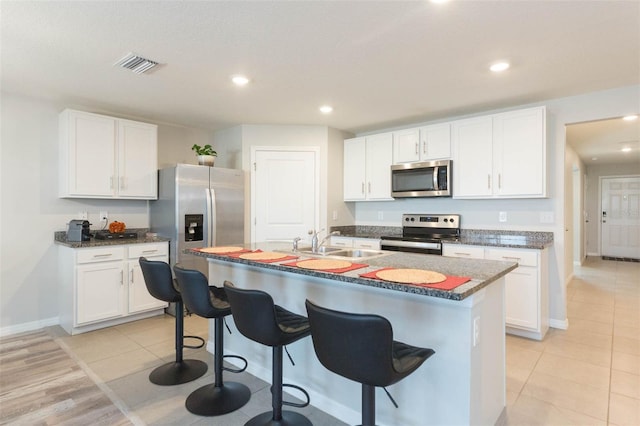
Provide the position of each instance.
(160, 284)
(211, 302)
(260, 320)
(361, 348)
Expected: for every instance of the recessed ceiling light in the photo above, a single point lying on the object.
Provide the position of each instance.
(626, 149)
(630, 117)
(594, 158)
(438, 1)
(499, 66)
(326, 109)
(240, 80)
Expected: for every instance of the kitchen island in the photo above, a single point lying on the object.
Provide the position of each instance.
(463, 383)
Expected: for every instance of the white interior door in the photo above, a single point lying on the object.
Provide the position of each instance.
(620, 217)
(284, 194)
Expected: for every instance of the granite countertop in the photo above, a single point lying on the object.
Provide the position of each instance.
(60, 238)
(476, 237)
(482, 272)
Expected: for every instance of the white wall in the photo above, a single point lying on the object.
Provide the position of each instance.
(30, 210)
(594, 173)
(524, 214)
(329, 144)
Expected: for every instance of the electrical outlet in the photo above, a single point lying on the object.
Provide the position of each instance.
(380, 215)
(502, 216)
(104, 217)
(335, 215)
(546, 217)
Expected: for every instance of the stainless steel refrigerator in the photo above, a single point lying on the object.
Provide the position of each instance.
(198, 206)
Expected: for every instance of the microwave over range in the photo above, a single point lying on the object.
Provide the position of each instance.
(423, 179)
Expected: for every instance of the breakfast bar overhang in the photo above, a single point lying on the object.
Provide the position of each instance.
(462, 384)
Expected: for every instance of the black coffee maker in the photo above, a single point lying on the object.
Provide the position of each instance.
(78, 231)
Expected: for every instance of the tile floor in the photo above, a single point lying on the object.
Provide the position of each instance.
(586, 375)
(590, 373)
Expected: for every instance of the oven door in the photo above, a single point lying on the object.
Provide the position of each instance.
(424, 179)
(422, 247)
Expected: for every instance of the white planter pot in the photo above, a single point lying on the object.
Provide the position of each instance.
(206, 160)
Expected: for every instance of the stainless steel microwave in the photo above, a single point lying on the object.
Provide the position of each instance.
(423, 179)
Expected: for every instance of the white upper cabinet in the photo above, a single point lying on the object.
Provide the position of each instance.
(367, 168)
(137, 159)
(107, 157)
(519, 153)
(500, 156)
(422, 144)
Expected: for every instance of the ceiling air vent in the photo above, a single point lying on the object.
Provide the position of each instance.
(136, 63)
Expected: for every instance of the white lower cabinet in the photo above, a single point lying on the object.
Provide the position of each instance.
(354, 242)
(526, 287)
(104, 286)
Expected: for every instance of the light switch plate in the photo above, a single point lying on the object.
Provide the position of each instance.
(502, 216)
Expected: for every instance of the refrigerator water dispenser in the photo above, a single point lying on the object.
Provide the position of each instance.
(193, 227)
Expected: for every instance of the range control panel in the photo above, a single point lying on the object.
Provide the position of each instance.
(431, 220)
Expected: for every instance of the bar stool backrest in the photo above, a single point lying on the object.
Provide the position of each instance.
(158, 279)
(194, 287)
(355, 346)
(254, 314)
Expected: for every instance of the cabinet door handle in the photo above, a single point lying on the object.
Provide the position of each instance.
(363, 188)
(111, 182)
(369, 187)
(488, 181)
(103, 255)
(511, 258)
(417, 149)
(122, 182)
(424, 147)
(499, 181)
(131, 277)
(121, 277)
(150, 251)
(462, 254)
(366, 246)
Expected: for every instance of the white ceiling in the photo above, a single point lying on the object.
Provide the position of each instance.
(601, 142)
(380, 64)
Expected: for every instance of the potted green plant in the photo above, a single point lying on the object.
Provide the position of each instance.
(206, 154)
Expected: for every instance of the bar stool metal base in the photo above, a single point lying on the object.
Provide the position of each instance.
(289, 418)
(212, 400)
(178, 372)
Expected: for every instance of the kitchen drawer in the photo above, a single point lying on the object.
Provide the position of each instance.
(341, 241)
(459, 250)
(100, 254)
(148, 250)
(523, 257)
(366, 243)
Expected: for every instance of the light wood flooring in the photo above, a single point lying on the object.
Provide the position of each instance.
(586, 375)
(40, 384)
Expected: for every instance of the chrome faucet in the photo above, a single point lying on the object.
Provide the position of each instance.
(315, 246)
(295, 243)
(314, 240)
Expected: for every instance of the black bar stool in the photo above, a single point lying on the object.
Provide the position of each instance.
(361, 348)
(211, 302)
(160, 284)
(260, 320)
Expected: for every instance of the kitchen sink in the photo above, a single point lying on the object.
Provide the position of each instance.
(342, 252)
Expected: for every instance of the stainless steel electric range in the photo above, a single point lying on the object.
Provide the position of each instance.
(424, 233)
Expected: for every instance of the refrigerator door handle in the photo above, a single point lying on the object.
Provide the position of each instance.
(213, 218)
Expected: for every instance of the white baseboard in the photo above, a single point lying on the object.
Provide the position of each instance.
(28, 326)
(560, 324)
(568, 280)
